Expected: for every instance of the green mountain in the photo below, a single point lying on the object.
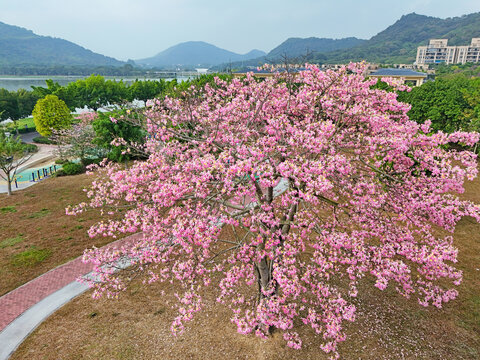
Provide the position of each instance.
(19, 46)
(298, 47)
(398, 43)
(294, 49)
(196, 53)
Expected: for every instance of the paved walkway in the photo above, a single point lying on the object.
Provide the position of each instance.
(44, 156)
(24, 308)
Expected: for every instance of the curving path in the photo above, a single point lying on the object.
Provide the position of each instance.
(24, 308)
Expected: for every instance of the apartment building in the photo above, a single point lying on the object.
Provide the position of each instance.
(438, 51)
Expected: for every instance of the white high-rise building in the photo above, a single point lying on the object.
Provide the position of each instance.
(438, 51)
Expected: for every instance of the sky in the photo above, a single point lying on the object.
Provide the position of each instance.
(136, 29)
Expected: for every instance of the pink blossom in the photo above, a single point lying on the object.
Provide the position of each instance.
(320, 180)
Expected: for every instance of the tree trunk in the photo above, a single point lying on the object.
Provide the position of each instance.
(9, 184)
(264, 277)
(264, 268)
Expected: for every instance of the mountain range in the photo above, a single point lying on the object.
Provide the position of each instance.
(298, 47)
(196, 53)
(20, 46)
(396, 44)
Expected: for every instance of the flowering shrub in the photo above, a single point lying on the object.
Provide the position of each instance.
(77, 140)
(323, 182)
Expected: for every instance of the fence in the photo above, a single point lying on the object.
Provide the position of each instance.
(38, 174)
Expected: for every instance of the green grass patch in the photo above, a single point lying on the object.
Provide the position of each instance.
(23, 125)
(39, 214)
(11, 241)
(8, 209)
(26, 121)
(30, 257)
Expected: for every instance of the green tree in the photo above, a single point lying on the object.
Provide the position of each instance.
(107, 131)
(13, 154)
(91, 92)
(95, 92)
(51, 113)
(117, 92)
(51, 89)
(472, 113)
(8, 105)
(442, 101)
(26, 101)
(66, 93)
(16, 105)
(179, 89)
(146, 90)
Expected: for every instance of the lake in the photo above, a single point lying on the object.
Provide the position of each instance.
(13, 83)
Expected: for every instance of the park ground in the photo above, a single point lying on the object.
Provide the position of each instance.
(37, 236)
(35, 233)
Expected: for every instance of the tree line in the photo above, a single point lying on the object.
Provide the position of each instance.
(452, 103)
(93, 92)
(84, 70)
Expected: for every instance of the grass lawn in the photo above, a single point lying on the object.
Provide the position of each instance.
(21, 124)
(35, 233)
(137, 325)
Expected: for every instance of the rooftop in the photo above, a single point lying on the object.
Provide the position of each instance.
(397, 72)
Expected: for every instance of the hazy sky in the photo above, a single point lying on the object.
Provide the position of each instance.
(141, 28)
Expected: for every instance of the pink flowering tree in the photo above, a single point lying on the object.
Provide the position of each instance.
(321, 181)
(77, 140)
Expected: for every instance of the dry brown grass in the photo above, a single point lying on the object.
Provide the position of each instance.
(137, 326)
(35, 233)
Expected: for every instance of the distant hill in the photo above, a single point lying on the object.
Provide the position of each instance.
(398, 43)
(196, 53)
(296, 47)
(19, 46)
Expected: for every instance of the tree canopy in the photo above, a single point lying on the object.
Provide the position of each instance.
(108, 131)
(320, 183)
(443, 101)
(51, 113)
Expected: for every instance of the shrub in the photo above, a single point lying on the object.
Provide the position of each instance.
(42, 140)
(88, 161)
(26, 129)
(106, 131)
(31, 148)
(71, 168)
(51, 113)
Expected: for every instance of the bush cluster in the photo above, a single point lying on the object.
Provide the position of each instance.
(42, 140)
(71, 168)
